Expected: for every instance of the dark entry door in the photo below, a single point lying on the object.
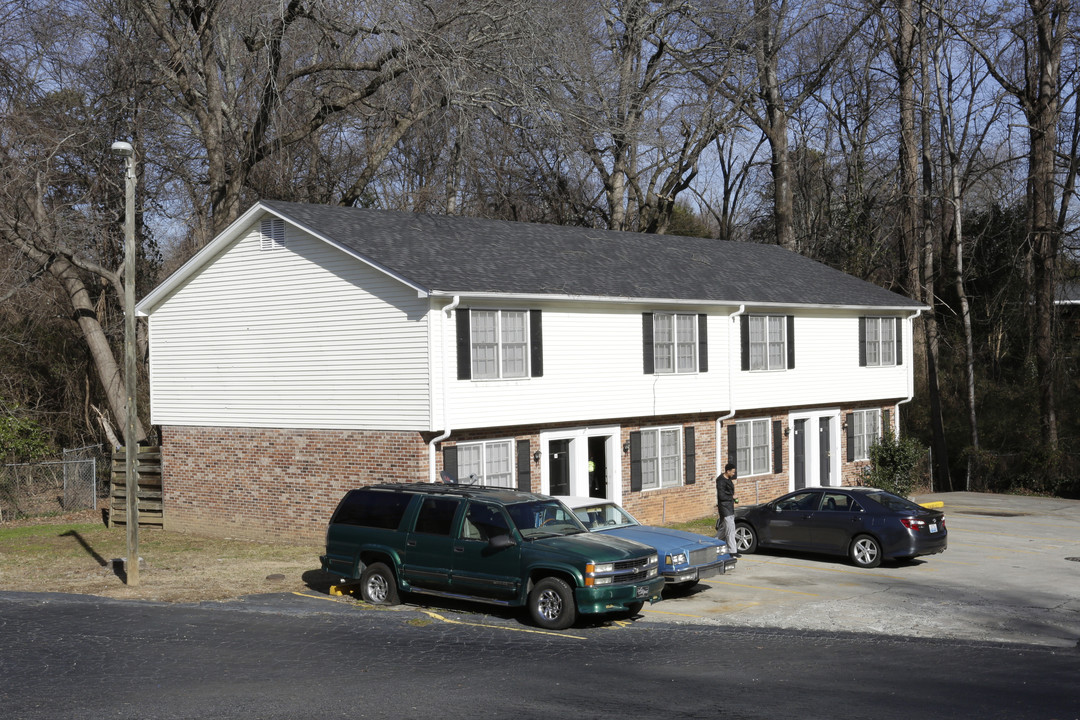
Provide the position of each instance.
(800, 454)
(598, 487)
(825, 451)
(559, 467)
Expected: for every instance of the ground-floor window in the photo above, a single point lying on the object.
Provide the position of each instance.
(867, 429)
(752, 447)
(661, 458)
(490, 463)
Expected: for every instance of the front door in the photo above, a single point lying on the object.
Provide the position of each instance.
(598, 484)
(559, 467)
(800, 454)
(825, 451)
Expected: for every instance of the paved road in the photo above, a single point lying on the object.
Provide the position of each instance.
(294, 656)
(1011, 574)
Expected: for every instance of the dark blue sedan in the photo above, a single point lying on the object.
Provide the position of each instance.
(685, 557)
(866, 524)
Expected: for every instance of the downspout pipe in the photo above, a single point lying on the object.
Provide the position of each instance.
(730, 386)
(449, 309)
(911, 375)
(730, 376)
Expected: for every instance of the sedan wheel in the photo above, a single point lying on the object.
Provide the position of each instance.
(865, 552)
(745, 538)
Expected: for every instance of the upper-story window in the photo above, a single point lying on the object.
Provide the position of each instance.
(675, 343)
(879, 341)
(499, 344)
(768, 342)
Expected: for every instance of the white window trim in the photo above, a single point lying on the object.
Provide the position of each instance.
(674, 344)
(484, 445)
(868, 437)
(783, 354)
(680, 470)
(880, 321)
(499, 344)
(768, 447)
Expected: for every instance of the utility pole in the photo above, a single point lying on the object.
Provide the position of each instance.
(131, 447)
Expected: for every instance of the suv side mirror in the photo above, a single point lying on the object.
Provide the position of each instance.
(499, 542)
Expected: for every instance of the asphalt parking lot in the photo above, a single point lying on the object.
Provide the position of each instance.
(1011, 574)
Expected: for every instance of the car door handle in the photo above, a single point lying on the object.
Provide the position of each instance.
(410, 543)
(458, 548)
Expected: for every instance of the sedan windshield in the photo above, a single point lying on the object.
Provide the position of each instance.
(894, 502)
(604, 516)
(543, 518)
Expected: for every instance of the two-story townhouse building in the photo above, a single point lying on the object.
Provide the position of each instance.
(311, 349)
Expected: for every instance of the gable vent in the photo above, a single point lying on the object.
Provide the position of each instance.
(273, 234)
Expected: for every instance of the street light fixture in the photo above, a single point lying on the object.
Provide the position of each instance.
(131, 449)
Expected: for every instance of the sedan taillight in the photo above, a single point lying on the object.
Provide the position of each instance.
(913, 524)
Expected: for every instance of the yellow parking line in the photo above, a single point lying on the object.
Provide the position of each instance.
(437, 616)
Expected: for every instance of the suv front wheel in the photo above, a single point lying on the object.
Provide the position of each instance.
(551, 604)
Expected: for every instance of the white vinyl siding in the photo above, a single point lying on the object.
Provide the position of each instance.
(489, 462)
(305, 336)
(661, 458)
(753, 448)
(866, 432)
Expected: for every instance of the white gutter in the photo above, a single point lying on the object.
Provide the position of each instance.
(449, 309)
(911, 375)
(730, 379)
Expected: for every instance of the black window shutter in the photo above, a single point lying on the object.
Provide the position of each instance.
(899, 341)
(862, 342)
(648, 360)
(691, 463)
(732, 443)
(449, 460)
(524, 474)
(777, 447)
(744, 339)
(635, 462)
(790, 343)
(850, 437)
(536, 341)
(886, 423)
(464, 345)
(703, 342)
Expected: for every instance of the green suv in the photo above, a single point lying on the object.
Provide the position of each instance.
(491, 545)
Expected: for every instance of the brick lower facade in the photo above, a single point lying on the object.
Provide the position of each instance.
(283, 483)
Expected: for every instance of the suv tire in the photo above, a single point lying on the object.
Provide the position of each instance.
(378, 585)
(551, 604)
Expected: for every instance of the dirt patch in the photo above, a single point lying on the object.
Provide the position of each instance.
(77, 553)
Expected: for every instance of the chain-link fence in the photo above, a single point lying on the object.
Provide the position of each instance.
(44, 488)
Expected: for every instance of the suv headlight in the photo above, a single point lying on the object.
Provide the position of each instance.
(593, 569)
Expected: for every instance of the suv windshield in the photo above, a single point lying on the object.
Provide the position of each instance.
(543, 518)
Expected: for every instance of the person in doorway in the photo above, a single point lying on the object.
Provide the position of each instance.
(725, 506)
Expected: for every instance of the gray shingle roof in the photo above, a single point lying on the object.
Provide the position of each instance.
(452, 254)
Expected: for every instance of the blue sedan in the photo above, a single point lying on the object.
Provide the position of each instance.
(866, 524)
(685, 557)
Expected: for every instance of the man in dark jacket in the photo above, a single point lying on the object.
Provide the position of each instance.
(725, 505)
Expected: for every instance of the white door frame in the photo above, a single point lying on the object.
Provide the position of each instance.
(813, 456)
(579, 458)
